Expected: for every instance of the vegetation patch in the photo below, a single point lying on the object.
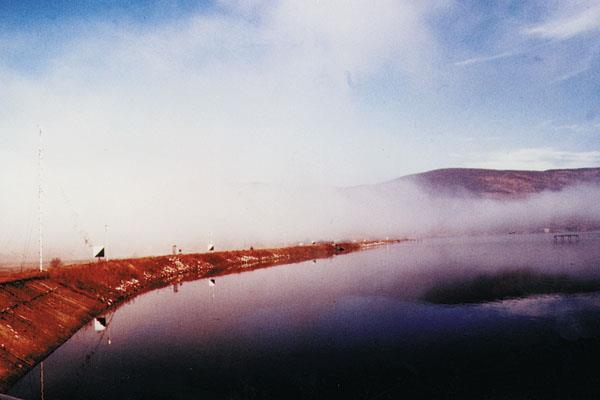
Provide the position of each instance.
(507, 285)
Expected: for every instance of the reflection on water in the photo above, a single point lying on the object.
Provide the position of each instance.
(349, 327)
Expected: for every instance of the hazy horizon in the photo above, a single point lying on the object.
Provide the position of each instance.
(240, 216)
(156, 114)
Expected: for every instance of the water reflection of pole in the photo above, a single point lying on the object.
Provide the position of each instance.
(42, 381)
(211, 284)
(78, 380)
(108, 336)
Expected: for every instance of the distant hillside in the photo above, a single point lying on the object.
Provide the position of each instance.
(498, 183)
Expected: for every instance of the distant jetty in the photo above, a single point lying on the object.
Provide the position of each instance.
(40, 311)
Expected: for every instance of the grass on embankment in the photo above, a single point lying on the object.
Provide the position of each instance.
(507, 285)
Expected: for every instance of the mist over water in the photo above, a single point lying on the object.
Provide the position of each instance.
(149, 220)
(352, 326)
(156, 126)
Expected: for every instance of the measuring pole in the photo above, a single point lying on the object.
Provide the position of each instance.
(40, 191)
(105, 241)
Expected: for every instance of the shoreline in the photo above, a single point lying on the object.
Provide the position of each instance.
(40, 312)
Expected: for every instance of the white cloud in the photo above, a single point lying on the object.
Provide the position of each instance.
(538, 159)
(485, 59)
(556, 60)
(250, 89)
(146, 125)
(570, 22)
(359, 36)
(580, 128)
(139, 118)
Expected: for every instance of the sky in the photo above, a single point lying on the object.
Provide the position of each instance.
(165, 100)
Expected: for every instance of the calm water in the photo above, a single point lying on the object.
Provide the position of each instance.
(353, 326)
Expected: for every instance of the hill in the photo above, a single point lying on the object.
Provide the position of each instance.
(503, 184)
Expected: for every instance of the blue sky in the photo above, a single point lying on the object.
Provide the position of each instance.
(172, 100)
(461, 83)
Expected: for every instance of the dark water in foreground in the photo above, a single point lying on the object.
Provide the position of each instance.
(354, 326)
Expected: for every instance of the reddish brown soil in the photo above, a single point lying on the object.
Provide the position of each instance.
(40, 311)
(15, 276)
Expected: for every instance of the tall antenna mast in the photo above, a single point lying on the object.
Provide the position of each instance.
(40, 191)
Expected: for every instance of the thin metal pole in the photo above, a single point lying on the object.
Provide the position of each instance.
(40, 211)
(105, 241)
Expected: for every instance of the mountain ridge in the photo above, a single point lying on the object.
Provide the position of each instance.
(501, 184)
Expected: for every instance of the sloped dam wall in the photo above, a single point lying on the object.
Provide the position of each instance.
(39, 313)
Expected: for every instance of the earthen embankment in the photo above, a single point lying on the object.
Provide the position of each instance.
(40, 312)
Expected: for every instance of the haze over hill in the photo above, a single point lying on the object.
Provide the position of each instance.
(191, 215)
(470, 201)
(157, 114)
(501, 184)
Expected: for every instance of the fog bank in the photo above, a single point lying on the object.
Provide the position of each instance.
(150, 219)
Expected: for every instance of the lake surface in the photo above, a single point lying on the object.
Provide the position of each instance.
(353, 326)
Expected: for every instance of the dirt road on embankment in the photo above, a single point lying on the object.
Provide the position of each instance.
(39, 313)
